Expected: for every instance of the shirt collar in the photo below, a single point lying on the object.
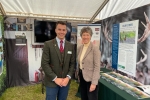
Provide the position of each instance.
(58, 40)
(86, 45)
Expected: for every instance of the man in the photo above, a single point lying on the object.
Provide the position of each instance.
(58, 62)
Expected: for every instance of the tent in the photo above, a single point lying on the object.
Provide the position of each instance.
(70, 10)
(85, 11)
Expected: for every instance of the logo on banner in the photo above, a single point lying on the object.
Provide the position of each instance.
(96, 29)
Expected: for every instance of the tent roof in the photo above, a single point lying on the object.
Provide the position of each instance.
(68, 10)
(81, 10)
(114, 7)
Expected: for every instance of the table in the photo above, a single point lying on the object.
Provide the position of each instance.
(103, 70)
(108, 91)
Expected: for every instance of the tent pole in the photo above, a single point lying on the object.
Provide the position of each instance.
(2, 10)
(97, 12)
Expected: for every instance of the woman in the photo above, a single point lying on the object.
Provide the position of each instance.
(89, 66)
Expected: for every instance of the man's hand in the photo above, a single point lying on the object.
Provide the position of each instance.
(65, 81)
(59, 81)
(92, 87)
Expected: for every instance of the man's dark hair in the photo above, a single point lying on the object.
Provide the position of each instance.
(61, 22)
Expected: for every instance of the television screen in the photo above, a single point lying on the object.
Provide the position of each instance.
(45, 30)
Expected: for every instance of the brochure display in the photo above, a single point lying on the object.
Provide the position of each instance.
(124, 83)
(145, 88)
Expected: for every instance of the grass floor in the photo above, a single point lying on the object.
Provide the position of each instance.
(33, 92)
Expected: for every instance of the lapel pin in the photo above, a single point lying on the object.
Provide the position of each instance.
(55, 44)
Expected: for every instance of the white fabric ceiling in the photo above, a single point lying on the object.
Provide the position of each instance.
(114, 7)
(53, 9)
(79, 10)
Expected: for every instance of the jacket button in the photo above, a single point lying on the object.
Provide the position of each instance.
(82, 68)
(82, 62)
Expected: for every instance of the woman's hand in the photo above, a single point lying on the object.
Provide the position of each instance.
(92, 87)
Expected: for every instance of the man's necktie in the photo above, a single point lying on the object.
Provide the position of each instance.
(61, 46)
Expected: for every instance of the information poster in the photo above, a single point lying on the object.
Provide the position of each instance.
(127, 50)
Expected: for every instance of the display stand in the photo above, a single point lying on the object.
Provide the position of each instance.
(108, 91)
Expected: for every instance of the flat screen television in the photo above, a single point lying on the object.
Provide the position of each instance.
(45, 30)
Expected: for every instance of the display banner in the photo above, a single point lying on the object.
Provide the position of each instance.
(19, 51)
(133, 46)
(115, 44)
(128, 47)
(95, 39)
